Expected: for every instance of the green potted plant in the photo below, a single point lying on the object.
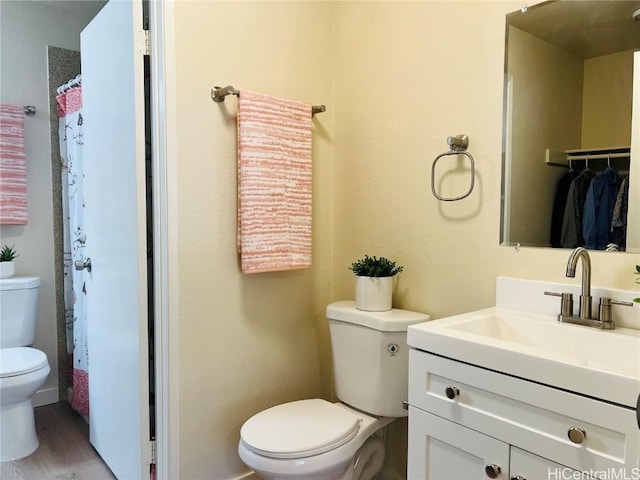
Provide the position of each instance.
(7, 265)
(374, 282)
(637, 272)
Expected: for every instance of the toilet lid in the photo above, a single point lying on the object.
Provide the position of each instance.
(20, 360)
(299, 429)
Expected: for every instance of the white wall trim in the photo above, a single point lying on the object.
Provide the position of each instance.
(163, 133)
(46, 396)
(247, 476)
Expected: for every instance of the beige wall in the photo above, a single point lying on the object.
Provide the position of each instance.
(547, 114)
(247, 342)
(608, 91)
(397, 78)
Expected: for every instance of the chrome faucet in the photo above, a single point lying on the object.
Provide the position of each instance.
(585, 295)
(604, 319)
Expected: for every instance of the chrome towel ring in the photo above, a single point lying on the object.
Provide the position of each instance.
(457, 145)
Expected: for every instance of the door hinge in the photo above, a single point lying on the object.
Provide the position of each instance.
(147, 42)
(150, 453)
(143, 42)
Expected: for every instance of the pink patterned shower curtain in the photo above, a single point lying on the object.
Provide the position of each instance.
(71, 146)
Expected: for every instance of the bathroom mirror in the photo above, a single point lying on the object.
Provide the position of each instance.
(569, 92)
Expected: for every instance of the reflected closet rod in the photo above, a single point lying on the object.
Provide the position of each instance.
(218, 94)
(598, 156)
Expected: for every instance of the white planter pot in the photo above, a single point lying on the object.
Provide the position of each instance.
(374, 294)
(7, 269)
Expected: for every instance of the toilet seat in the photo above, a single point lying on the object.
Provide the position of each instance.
(17, 361)
(299, 429)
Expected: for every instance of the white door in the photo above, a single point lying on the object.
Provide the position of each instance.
(114, 145)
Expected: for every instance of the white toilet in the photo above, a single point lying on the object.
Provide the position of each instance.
(318, 440)
(23, 370)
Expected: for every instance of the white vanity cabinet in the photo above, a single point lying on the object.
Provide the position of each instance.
(469, 422)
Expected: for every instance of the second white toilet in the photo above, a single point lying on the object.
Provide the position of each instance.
(23, 369)
(317, 440)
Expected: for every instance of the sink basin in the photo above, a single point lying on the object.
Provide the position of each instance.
(592, 346)
(604, 364)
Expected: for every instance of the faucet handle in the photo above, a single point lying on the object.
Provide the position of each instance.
(605, 308)
(566, 308)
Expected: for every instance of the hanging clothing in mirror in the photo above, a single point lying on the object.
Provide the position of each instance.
(598, 209)
(559, 205)
(619, 218)
(571, 236)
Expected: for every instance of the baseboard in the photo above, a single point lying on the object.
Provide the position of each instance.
(253, 476)
(247, 476)
(46, 396)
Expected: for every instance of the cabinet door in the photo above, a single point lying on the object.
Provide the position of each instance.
(527, 466)
(443, 450)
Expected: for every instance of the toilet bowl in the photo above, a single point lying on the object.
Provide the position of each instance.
(23, 370)
(315, 440)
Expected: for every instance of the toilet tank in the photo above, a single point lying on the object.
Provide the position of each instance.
(18, 304)
(371, 357)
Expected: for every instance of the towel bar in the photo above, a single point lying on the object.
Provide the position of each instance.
(318, 109)
(219, 93)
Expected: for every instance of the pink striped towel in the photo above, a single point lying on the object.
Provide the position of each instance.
(274, 183)
(13, 168)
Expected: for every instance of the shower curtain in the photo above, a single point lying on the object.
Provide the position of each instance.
(69, 102)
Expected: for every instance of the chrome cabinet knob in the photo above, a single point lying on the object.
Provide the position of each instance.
(451, 392)
(577, 434)
(83, 265)
(492, 470)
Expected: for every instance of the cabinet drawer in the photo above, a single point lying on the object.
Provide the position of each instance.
(534, 417)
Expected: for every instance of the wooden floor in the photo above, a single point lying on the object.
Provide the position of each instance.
(64, 452)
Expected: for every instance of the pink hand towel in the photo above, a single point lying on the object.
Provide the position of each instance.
(13, 168)
(274, 183)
